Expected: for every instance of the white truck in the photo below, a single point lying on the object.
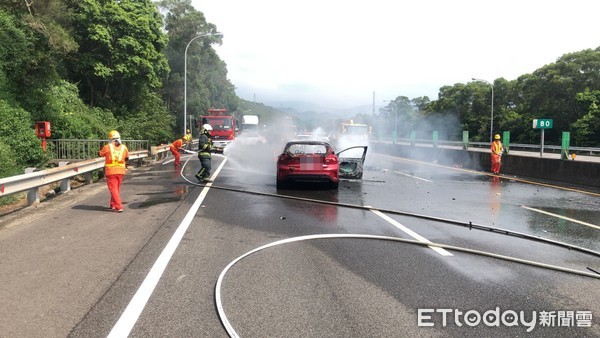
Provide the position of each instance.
(249, 123)
(251, 131)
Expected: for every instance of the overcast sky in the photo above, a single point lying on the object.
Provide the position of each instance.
(337, 53)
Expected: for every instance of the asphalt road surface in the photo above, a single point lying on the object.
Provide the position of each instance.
(392, 255)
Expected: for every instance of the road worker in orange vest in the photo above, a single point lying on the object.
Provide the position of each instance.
(115, 154)
(497, 150)
(177, 146)
(188, 136)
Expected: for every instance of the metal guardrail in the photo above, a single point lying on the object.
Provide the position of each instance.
(79, 150)
(160, 151)
(163, 150)
(513, 146)
(33, 180)
(85, 153)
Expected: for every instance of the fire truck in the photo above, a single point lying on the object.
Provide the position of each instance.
(223, 124)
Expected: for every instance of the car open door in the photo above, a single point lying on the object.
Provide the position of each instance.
(352, 161)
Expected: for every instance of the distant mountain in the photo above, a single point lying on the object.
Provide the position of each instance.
(309, 111)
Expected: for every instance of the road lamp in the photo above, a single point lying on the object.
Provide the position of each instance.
(395, 135)
(492, 117)
(185, 77)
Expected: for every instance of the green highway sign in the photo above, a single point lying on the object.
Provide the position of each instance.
(542, 123)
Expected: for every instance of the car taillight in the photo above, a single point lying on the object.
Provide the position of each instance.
(331, 159)
(284, 159)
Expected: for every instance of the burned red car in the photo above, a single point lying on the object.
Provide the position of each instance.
(317, 162)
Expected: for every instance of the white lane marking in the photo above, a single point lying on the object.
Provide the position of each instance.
(411, 233)
(135, 307)
(232, 333)
(563, 217)
(419, 178)
(218, 299)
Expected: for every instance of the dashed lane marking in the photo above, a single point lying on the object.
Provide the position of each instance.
(411, 233)
(416, 177)
(512, 178)
(561, 217)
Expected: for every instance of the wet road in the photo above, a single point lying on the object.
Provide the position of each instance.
(353, 285)
(556, 212)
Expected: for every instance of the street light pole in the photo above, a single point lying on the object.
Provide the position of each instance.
(492, 115)
(185, 77)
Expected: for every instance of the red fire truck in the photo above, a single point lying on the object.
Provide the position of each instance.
(224, 127)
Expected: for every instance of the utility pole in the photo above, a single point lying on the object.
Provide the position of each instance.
(373, 112)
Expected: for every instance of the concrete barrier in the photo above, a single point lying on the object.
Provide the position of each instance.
(578, 172)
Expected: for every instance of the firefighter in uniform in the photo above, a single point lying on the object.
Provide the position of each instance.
(497, 150)
(205, 147)
(115, 154)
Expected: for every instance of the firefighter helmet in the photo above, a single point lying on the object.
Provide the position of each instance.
(207, 127)
(113, 134)
(497, 137)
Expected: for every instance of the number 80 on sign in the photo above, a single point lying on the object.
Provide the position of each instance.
(542, 124)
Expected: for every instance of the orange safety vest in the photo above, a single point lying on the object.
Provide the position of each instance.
(177, 144)
(115, 158)
(497, 147)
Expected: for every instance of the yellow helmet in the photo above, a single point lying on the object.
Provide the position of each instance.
(113, 134)
(497, 137)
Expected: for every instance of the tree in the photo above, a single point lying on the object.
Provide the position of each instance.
(71, 118)
(25, 66)
(15, 45)
(207, 83)
(466, 105)
(120, 51)
(150, 121)
(16, 131)
(36, 52)
(551, 91)
(587, 128)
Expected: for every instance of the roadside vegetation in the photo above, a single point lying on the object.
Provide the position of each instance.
(96, 65)
(567, 91)
(92, 66)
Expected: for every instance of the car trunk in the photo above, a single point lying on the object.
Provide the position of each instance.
(311, 162)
